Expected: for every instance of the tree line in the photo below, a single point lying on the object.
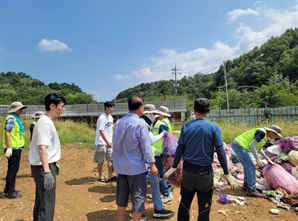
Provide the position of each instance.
(266, 76)
(21, 87)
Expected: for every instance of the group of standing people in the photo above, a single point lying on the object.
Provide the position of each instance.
(45, 151)
(133, 151)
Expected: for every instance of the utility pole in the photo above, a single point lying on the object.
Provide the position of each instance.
(227, 94)
(175, 72)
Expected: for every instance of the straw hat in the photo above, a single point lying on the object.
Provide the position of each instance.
(164, 111)
(15, 106)
(38, 114)
(275, 129)
(150, 109)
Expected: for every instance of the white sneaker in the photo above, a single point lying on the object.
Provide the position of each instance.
(166, 199)
(143, 218)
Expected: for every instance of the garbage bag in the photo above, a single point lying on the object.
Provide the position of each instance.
(285, 145)
(277, 177)
(169, 147)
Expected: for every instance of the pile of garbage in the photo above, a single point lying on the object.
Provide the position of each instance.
(278, 182)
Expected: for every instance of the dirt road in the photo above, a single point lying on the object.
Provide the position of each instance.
(80, 196)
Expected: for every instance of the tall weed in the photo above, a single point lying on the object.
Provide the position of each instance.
(84, 135)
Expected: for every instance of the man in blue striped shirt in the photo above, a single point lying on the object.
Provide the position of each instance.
(131, 151)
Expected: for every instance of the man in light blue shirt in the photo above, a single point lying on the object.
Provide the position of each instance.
(131, 151)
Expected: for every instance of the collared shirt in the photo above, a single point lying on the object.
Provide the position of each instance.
(9, 124)
(131, 147)
(44, 133)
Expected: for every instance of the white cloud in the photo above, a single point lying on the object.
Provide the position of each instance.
(248, 34)
(235, 14)
(257, 2)
(277, 23)
(53, 45)
(121, 77)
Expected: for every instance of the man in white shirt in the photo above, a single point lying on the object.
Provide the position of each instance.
(103, 142)
(44, 152)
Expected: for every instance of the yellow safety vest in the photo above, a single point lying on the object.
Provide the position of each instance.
(168, 123)
(16, 138)
(245, 139)
(155, 131)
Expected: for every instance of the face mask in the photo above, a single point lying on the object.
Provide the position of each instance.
(151, 117)
(147, 120)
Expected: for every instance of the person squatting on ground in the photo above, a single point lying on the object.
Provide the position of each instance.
(131, 151)
(103, 141)
(252, 141)
(196, 146)
(161, 124)
(13, 143)
(148, 117)
(45, 151)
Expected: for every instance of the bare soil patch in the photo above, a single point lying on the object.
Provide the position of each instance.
(80, 196)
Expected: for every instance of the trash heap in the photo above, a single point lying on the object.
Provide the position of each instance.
(278, 182)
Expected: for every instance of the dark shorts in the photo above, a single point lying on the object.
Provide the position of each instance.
(134, 187)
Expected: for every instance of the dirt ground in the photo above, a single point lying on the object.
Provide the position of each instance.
(80, 196)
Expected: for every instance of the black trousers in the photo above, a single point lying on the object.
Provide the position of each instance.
(44, 207)
(12, 170)
(200, 184)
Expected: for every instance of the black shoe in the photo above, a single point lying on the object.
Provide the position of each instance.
(12, 195)
(244, 187)
(254, 193)
(162, 213)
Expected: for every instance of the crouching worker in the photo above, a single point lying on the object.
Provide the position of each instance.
(252, 141)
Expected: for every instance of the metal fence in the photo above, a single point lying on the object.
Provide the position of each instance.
(255, 115)
(82, 110)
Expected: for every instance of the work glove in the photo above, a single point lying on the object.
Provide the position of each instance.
(169, 172)
(231, 181)
(259, 163)
(48, 181)
(164, 133)
(8, 153)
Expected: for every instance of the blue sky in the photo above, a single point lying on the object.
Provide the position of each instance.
(105, 47)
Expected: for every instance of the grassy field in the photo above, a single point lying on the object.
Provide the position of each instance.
(81, 133)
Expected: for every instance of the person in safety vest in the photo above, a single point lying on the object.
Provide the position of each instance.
(252, 141)
(163, 115)
(149, 117)
(162, 123)
(36, 116)
(13, 143)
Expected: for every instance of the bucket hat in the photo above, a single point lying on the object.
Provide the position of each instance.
(15, 106)
(275, 129)
(38, 114)
(150, 109)
(164, 111)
